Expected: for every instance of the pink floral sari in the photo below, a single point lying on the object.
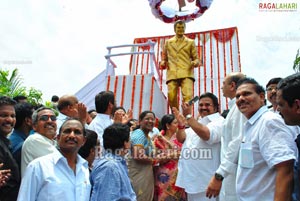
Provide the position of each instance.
(165, 174)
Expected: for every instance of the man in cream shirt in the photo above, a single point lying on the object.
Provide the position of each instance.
(42, 141)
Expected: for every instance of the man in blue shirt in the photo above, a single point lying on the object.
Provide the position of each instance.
(109, 177)
(22, 129)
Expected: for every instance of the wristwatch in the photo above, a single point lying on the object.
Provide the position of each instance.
(219, 177)
(187, 117)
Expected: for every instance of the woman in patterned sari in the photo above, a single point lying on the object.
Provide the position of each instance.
(166, 173)
(141, 162)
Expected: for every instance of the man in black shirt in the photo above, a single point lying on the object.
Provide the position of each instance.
(9, 191)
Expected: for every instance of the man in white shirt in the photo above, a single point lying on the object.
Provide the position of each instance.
(267, 151)
(230, 140)
(105, 104)
(223, 182)
(195, 171)
(41, 142)
(62, 175)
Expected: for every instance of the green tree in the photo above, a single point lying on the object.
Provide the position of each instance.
(296, 65)
(11, 85)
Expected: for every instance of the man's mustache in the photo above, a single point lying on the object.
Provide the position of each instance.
(48, 124)
(204, 110)
(72, 140)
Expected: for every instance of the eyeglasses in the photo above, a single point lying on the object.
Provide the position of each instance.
(271, 88)
(46, 117)
(205, 105)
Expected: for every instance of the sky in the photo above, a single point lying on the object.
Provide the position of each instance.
(59, 45)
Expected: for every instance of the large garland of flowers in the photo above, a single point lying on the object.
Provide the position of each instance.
(170, 15)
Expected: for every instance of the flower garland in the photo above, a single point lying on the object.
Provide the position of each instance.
(157, 11)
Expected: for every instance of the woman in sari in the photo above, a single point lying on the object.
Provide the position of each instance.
(141, 162)
(166, 173)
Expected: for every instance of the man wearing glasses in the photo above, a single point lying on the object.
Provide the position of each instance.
(271, 89)
(42, 141)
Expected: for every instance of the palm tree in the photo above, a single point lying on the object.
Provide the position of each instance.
(11, 85)
(296, 65)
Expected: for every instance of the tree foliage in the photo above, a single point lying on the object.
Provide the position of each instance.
(11, 84)
(296, 65)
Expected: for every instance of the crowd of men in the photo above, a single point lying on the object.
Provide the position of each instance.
(254, 149)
